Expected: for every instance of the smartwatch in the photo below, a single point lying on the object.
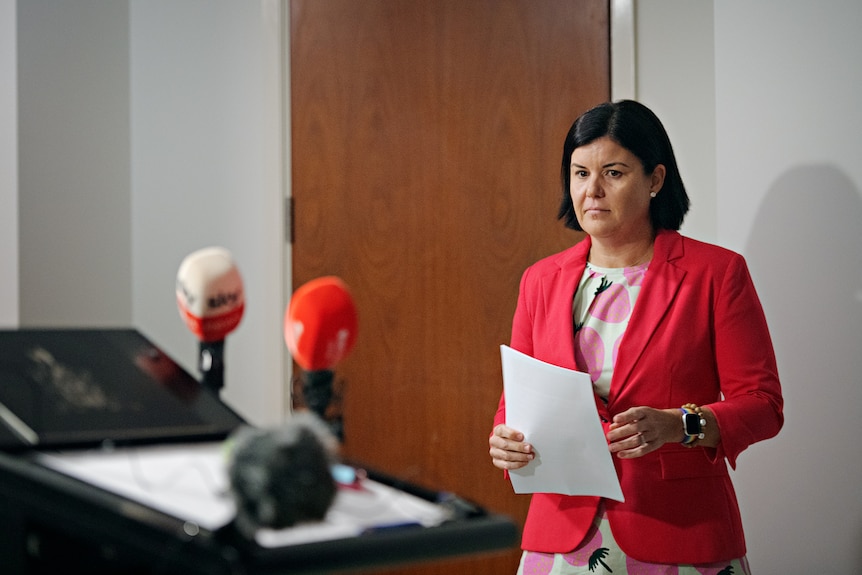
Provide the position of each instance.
(693, 424)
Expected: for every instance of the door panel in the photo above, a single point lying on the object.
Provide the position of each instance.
(426, 140)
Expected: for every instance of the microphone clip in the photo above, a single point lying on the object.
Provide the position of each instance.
(211, 365)
(319, 392)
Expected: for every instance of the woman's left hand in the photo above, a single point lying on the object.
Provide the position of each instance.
(641, 430)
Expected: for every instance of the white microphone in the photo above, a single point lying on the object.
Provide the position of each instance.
(211, 301)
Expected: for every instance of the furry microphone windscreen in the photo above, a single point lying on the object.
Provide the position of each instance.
(283, 476)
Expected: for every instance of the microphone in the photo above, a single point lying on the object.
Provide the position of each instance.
(320, 326)
(211, 301)
(282, 476)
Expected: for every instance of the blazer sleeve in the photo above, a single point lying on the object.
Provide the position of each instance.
(522, 323)
(752, 409)
(521, 338)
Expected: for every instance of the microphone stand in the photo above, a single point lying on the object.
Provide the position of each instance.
(317, 395)
(211, 365)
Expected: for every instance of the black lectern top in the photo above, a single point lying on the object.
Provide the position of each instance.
(64, 388)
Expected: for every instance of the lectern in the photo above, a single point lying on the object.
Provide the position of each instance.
(111, 462)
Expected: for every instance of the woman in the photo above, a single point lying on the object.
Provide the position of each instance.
(673, 336)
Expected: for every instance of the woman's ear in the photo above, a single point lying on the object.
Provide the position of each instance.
(657, 178)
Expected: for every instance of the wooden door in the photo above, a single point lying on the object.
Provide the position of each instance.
(426, 142)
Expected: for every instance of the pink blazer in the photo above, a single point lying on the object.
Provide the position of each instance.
(697, 334)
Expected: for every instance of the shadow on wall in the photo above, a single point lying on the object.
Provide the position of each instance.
(805, 254)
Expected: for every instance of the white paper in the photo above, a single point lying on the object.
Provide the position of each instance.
(187, 481)
(555, 409)
(191, 482)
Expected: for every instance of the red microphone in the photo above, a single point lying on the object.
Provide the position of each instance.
(320, 327)
(211, 301)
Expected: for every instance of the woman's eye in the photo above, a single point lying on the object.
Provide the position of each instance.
(614, 173)
(580, 173)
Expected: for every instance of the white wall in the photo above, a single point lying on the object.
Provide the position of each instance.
(675, 78)
(780, 121)
(146, 129)
(789, 135)
(207, 155)
(8, 166)
(73, 152)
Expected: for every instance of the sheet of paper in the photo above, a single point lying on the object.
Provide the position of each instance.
(186, 481)
(555, 409)
(191, 482)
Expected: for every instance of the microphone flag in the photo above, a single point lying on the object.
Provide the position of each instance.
(321, 323)
(211, 301)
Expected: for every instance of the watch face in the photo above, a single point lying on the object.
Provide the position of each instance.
(692, 424)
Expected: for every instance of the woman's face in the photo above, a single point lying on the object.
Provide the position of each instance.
(610, 191)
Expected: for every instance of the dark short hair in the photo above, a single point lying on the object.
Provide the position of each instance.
(636, 128)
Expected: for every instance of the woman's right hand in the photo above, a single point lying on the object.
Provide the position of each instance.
(508, 449)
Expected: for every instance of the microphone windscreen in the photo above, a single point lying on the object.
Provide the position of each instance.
(320, 323)
(283, 476)
(210, 293)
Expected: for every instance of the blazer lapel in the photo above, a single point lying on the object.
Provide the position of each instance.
(572, 265)
(660, 287)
